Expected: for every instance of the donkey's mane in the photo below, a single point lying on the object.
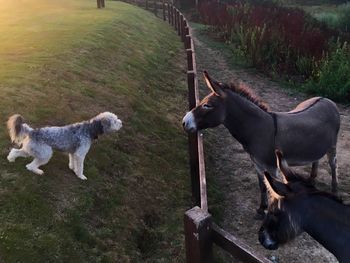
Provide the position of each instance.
(244, 91)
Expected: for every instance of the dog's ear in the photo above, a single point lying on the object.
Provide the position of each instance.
(96, 129)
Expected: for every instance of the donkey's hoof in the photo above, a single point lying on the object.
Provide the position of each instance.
(260, 214)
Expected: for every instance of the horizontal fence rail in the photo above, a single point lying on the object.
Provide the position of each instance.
(200, 231)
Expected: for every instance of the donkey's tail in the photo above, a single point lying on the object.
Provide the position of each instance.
(18, 130)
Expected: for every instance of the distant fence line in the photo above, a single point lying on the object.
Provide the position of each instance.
(101, 4)
(200, 230)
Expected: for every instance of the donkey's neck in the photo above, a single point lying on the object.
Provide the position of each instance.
(328, 222)
(247, 122)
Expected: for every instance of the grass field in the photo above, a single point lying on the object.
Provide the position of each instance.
(65, 61)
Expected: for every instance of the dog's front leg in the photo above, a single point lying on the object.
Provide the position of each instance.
(14, 153)
(79, 169)
(71, 162)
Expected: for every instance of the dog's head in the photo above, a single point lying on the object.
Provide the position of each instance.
(107, 122)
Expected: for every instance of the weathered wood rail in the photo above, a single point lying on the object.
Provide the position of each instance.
(200, 230)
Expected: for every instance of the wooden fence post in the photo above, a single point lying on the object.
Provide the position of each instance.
(98, 3)
(178, 22)
(181, 25)
(189, 53)
(103, 3)
(198, 236)
(155, 7)
(187, 42)
(183, 29)
(193, 143)
(175, 18)
(169, 19)
(164, 16)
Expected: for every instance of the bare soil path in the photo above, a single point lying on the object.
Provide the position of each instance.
(232, 168)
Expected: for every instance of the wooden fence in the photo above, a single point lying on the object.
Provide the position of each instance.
(200, 230)
(100, 3)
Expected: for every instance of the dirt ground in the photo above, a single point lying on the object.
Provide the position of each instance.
(236, 175)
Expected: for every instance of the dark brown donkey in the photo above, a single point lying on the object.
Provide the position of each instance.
(295, 206)
(304, 134)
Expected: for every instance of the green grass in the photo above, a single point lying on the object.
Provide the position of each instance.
(65, 61)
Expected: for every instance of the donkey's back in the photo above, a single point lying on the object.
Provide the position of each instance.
(308, 132)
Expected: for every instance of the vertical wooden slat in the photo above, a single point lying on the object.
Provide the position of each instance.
(193, 143)
(169, 13)
(155, 7)
(185, 34)
(197, 224)
(175, 18)
(178, 22)
(189, 53)
(164, 16)
(180, 25)
(98, 3)
(187, 42)
(183, 29)
(202, 176)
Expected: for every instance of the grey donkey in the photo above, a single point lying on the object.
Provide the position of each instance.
(304, 134)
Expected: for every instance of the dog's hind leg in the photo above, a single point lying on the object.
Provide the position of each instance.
(14, 153)
(35, 164)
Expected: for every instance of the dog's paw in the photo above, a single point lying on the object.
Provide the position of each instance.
(82, 177)
(39, 172)
(10, 158)
(34, 170)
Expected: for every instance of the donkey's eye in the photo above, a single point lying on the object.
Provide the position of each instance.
(207, 106)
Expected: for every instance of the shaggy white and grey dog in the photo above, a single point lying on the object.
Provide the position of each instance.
(75, 139)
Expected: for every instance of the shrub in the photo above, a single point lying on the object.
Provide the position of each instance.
(272, 37)
(344, 17)
(333, 78)
(338, 18)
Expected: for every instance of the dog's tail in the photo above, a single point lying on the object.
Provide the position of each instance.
(18, 130)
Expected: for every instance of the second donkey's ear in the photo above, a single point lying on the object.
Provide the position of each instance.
(276, 189)
(287, 174)
(213, 85)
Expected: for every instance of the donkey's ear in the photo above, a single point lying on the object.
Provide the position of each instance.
(276, 189)
(287, 174)
(213, 85)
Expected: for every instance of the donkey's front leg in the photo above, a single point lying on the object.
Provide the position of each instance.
(260, 212)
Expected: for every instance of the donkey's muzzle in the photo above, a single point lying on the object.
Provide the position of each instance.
(188, 123)
(266, 241)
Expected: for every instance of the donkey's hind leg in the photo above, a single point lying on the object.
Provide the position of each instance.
(332, 160)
